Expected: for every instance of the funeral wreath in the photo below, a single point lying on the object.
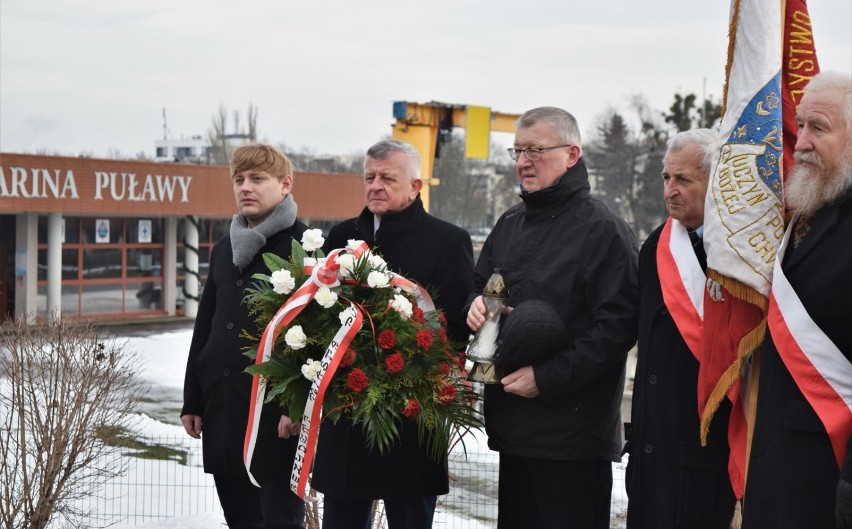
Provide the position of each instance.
(374, 339)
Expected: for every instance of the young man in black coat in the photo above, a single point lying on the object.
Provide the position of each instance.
(672, 481)
(216, 390)
(438, 256)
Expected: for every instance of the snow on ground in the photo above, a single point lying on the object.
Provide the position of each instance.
(163, 358)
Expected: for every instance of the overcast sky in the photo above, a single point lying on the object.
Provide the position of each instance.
(89, 76)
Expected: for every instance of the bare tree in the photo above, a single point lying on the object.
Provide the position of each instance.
(219, 154)
(222, 142)
(471, 193)
(626, 161)
(64, 387)
(251, 116)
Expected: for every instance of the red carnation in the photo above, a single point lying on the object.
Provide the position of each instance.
(442, 319)
(412, 409)
(462, 359)
(447, 394)
(395, 362)
(357, 380)
(348, 358)
(387, 339)
(445, 368)
(417, 315)
(424, 339)
(442, 334)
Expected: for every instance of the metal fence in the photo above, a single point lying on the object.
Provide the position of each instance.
(154, 491)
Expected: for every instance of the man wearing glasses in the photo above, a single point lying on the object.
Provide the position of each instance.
(556, 421)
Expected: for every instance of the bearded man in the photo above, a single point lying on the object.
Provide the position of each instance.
(800, 465)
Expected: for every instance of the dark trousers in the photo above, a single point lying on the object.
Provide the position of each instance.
(545, 494)
(404, 514)
(272, 506)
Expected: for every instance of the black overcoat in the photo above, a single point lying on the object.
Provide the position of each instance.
(792, 471)
(671, 480)
(437, 255)
(215, 387)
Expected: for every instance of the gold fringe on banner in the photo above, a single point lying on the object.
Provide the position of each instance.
(748, 344)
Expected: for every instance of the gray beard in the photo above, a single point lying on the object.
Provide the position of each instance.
(812, 186)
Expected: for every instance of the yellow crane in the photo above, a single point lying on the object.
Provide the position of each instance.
(420, 123)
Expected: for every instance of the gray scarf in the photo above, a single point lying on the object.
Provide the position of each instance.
(246, 241)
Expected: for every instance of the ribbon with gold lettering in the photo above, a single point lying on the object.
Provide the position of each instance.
(313, 408)
(322, 275)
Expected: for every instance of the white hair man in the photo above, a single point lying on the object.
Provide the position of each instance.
(800, 466)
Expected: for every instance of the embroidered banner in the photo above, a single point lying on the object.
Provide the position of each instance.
(769, 56)
(743, 223)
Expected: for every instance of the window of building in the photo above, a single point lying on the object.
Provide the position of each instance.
(117, 277)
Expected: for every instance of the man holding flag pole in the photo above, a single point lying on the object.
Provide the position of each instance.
(800, 465)
(744, 226)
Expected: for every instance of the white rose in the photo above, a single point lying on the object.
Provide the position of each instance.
(402, 305)
(295, 337)
(376, 261)
(325, 297)
(312, 240)
(378, 279)
(346, 261)
(282, 281)
(310, 369)
(354, 244)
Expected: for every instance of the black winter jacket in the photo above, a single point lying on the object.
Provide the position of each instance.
(438, 256)
(564, 247)
(215, 387)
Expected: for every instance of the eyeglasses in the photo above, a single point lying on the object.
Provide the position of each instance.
(533, 153)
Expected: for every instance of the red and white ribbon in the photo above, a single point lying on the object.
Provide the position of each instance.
(313, 408)
(820, 369)
(323, 275)
(682, 283)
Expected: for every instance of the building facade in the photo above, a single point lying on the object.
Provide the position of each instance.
(123, 239)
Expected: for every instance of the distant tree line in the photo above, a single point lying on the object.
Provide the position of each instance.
(626, 160)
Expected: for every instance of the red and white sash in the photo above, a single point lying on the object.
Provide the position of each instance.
(682, 282)
(822, 372)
